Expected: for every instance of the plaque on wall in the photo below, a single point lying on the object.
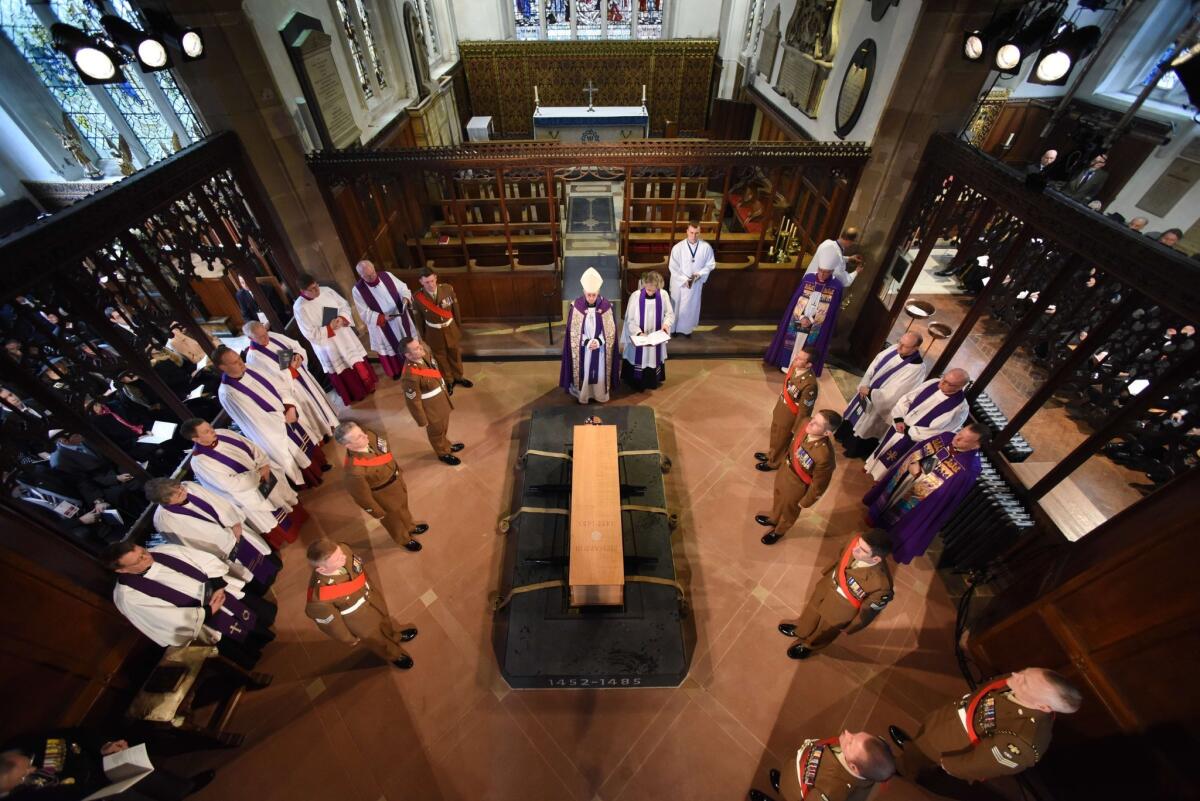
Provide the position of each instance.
(879, 8)
(770, 46)
(1170, 187)
(309, 49)
(856, 85)
(801, 81)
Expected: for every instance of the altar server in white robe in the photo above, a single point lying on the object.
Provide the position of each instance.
(831, 255)
(892, 374)
(649, 310)
(235, 468)
(188, 514)
(931, 408)
(691, 262)
(331, 333)
(384, 303)
(177, 595)
(316, 413)
(263, 407)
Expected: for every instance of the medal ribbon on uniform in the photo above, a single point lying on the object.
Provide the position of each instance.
(841, 575)
(812, 764)
(787, 396)
(997, 685)
(424, 300)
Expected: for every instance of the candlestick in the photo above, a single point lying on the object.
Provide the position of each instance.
(643, 94)
(536, 99)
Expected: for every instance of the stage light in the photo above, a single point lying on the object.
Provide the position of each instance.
(1014, 49)
(94, 60)
(973, 45)
(1008, 57)
(1062, 53)
(977, 42)
(149, 49)
(190, 41)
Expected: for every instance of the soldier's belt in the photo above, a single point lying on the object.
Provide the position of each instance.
(439, 325)
(389, 482)
(354, 606)
(431, 393)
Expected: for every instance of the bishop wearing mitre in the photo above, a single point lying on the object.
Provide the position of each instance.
(590, 364)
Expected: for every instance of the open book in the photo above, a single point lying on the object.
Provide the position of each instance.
(656, 338)
(124, 769)
(161, 432)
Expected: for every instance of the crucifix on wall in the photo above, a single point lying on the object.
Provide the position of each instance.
(590, 90)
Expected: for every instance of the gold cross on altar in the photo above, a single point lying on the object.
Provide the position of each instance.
(590, 90)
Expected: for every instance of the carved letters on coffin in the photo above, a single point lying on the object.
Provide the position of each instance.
(809, 47)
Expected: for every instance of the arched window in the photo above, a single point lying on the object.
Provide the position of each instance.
(148, 112)
(433, 41)
(355, 21)
(588, 19)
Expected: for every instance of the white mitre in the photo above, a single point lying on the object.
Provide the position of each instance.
(591, 280)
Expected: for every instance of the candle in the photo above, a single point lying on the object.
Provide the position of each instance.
(1008, 141)
(643, 94)
(536, 99)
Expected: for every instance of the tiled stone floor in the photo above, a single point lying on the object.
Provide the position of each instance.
(337, 724)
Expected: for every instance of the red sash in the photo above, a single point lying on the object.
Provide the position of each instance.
(841, 576)
(810, 763)
(328, 592)
(424, 372)
(998, 684)
(423, 298)
(787, 396)
(369, 461)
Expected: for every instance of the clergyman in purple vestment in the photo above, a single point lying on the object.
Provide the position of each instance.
(921, 491)
(591, 367)
(808, 321)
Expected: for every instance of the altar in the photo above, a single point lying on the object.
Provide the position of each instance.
(594, 124)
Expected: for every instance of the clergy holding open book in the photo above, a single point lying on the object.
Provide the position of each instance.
(590, 366)
(324, 318)
(384, 303)
(649, 316)
(691, 262)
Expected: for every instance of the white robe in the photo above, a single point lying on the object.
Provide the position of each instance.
(163, 622)
(903, 408)
(632, 313)
(241, 489)
(340, 351)
(829, 255)
(592, 329)
(216, 539)
(383, 299)
(267, 429)
(873, 422)
(312, 404)
(683, 266)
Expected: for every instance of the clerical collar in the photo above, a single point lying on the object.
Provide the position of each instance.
(372, 283)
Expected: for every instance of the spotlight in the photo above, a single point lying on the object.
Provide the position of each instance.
(190, 41)
(94, 60)
(1062, 53)
(976, 43)
(1014, 49)
(149, 49)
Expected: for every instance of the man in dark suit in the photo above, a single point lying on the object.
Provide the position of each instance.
(1087, 183)
(1042, 166)
(72, 456)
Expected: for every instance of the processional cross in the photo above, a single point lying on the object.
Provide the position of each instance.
(590, 90)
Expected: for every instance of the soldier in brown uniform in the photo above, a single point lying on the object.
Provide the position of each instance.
(438, 319)
(348, 608)
(376, 483)
(834, 769)
(1000, 729)
(848, 596)
(428, 398)
(796, 403)
(810, 464)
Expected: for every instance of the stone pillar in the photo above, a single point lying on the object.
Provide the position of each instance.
(233, 89)
(936, 90)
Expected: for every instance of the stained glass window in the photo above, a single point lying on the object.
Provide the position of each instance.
(33, 41)
(594, 19)
(432, 40)
(356, 55)
(369, 40)
(620, 19)
(650, 19)
(139, 111)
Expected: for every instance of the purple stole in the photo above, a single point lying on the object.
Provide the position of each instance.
(234, 619)
(856, 408)
(364, 291)
(658, 321)
(299, 376)
(228, 461)
(890, 453)
(593, 375)
(294, 431)
(243, 552)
